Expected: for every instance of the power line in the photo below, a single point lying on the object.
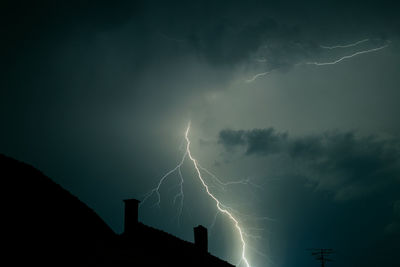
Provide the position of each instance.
(322, 254)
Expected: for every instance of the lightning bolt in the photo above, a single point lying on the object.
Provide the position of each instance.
(223, 185)
(214, 220)
(221, 208)
(329, 62)
(347, 57)
(156, 190)
(257, 76)
(344, 46)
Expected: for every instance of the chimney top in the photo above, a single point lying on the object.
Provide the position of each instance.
(200, 238)
(131, 215)
(131, 200)
(200, 227)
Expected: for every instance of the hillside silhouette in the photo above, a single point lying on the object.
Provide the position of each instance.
(45, 225)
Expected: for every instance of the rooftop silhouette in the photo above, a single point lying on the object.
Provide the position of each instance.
(46, 225)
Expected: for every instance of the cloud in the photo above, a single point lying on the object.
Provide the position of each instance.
(229, 34)
(146, 34)
(342, 163)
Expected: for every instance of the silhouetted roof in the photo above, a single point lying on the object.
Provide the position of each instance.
(47, 226)
(154, 247)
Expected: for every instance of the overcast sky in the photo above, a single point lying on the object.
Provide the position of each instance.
(299, 100)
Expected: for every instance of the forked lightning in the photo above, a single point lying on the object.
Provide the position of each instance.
(229, 212)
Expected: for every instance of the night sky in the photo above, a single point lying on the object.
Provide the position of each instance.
(98, 95)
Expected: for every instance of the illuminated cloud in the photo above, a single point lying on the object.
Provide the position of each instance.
(348, 165)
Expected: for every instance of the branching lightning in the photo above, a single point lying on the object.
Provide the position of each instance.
(346, 57)
(223, 185)
(214, 220)
(156, 190)
(219, 206)
(330, 62)
(344, 46)
(229, 212)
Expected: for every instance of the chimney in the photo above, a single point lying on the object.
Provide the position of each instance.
(131, 215)
(200, 238)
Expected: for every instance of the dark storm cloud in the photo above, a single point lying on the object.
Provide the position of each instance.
(228, 43)
(257, 141)
(224, 34)
(231, 138)
(350, 166)
(282, 33)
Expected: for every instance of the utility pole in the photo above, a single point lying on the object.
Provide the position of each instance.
(322, 254)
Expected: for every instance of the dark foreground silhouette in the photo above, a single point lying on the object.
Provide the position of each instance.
(44, 225)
